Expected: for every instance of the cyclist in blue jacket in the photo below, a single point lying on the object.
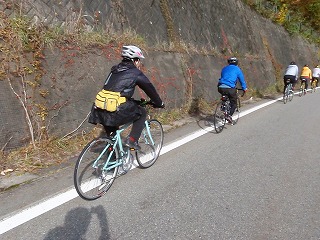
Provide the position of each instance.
(230, 75)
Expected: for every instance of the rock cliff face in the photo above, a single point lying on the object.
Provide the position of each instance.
(218, 28)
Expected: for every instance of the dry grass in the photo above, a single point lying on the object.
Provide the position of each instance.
(46, 154)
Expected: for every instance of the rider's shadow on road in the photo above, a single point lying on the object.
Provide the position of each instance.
(76, 224)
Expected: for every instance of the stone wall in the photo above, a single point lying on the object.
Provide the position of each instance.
(219, 28)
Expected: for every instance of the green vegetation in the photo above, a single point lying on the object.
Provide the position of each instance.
(298, 17)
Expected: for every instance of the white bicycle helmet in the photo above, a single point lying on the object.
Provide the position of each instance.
(132, 52)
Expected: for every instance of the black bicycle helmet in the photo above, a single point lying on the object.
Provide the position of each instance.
(233, 61)
(293, 63)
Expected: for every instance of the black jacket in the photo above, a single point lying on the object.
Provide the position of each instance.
(123, 78)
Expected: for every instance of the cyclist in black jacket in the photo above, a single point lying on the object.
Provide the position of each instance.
(123, 78)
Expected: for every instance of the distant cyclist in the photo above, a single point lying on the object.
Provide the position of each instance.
(316, 74)
(292, 73)
(306, 75)
(230, 75)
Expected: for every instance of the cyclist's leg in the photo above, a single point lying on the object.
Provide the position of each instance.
(233, 100)
(137, 127)
(285, 84)
(138, 124)
(306, 82)
(110, 130)
(293, 82)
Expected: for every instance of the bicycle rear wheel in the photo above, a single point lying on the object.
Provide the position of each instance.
(92, 178)
(219, 119)
(302, 89)
(150, 144)
(236, 114)
(313, 85)
(290, 93)
(286, 95)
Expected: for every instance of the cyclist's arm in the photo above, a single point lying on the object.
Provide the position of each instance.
(144, 83)
(242, 80)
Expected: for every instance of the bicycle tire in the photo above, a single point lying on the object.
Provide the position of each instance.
(290, 94)
(314, 86)
(236, 114)
(150, 148)
(219, 119)
(93, 182)
(285, 98)
(286, 95)
(302, 89)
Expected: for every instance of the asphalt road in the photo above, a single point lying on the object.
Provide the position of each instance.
(259, 179)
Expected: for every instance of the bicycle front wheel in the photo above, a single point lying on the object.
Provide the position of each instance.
(93, 173)
(219, 119)
(150, 141)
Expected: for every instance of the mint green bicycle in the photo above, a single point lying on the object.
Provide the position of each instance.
(105, 158)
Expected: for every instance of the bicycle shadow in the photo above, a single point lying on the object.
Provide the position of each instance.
(76, 224)
(205, 122)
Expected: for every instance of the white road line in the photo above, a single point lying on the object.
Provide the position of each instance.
(29, 213)
(46, 205)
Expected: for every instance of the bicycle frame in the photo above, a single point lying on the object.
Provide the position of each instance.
(149, 133)
(116, 142)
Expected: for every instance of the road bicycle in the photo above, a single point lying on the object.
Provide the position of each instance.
(314, 85)
(303, 90)
(288, 92)
(101, 159)
(222, 112)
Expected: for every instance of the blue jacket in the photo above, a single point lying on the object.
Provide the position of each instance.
(230, 75)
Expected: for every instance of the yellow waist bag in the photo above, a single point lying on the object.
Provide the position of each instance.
(109, 100)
